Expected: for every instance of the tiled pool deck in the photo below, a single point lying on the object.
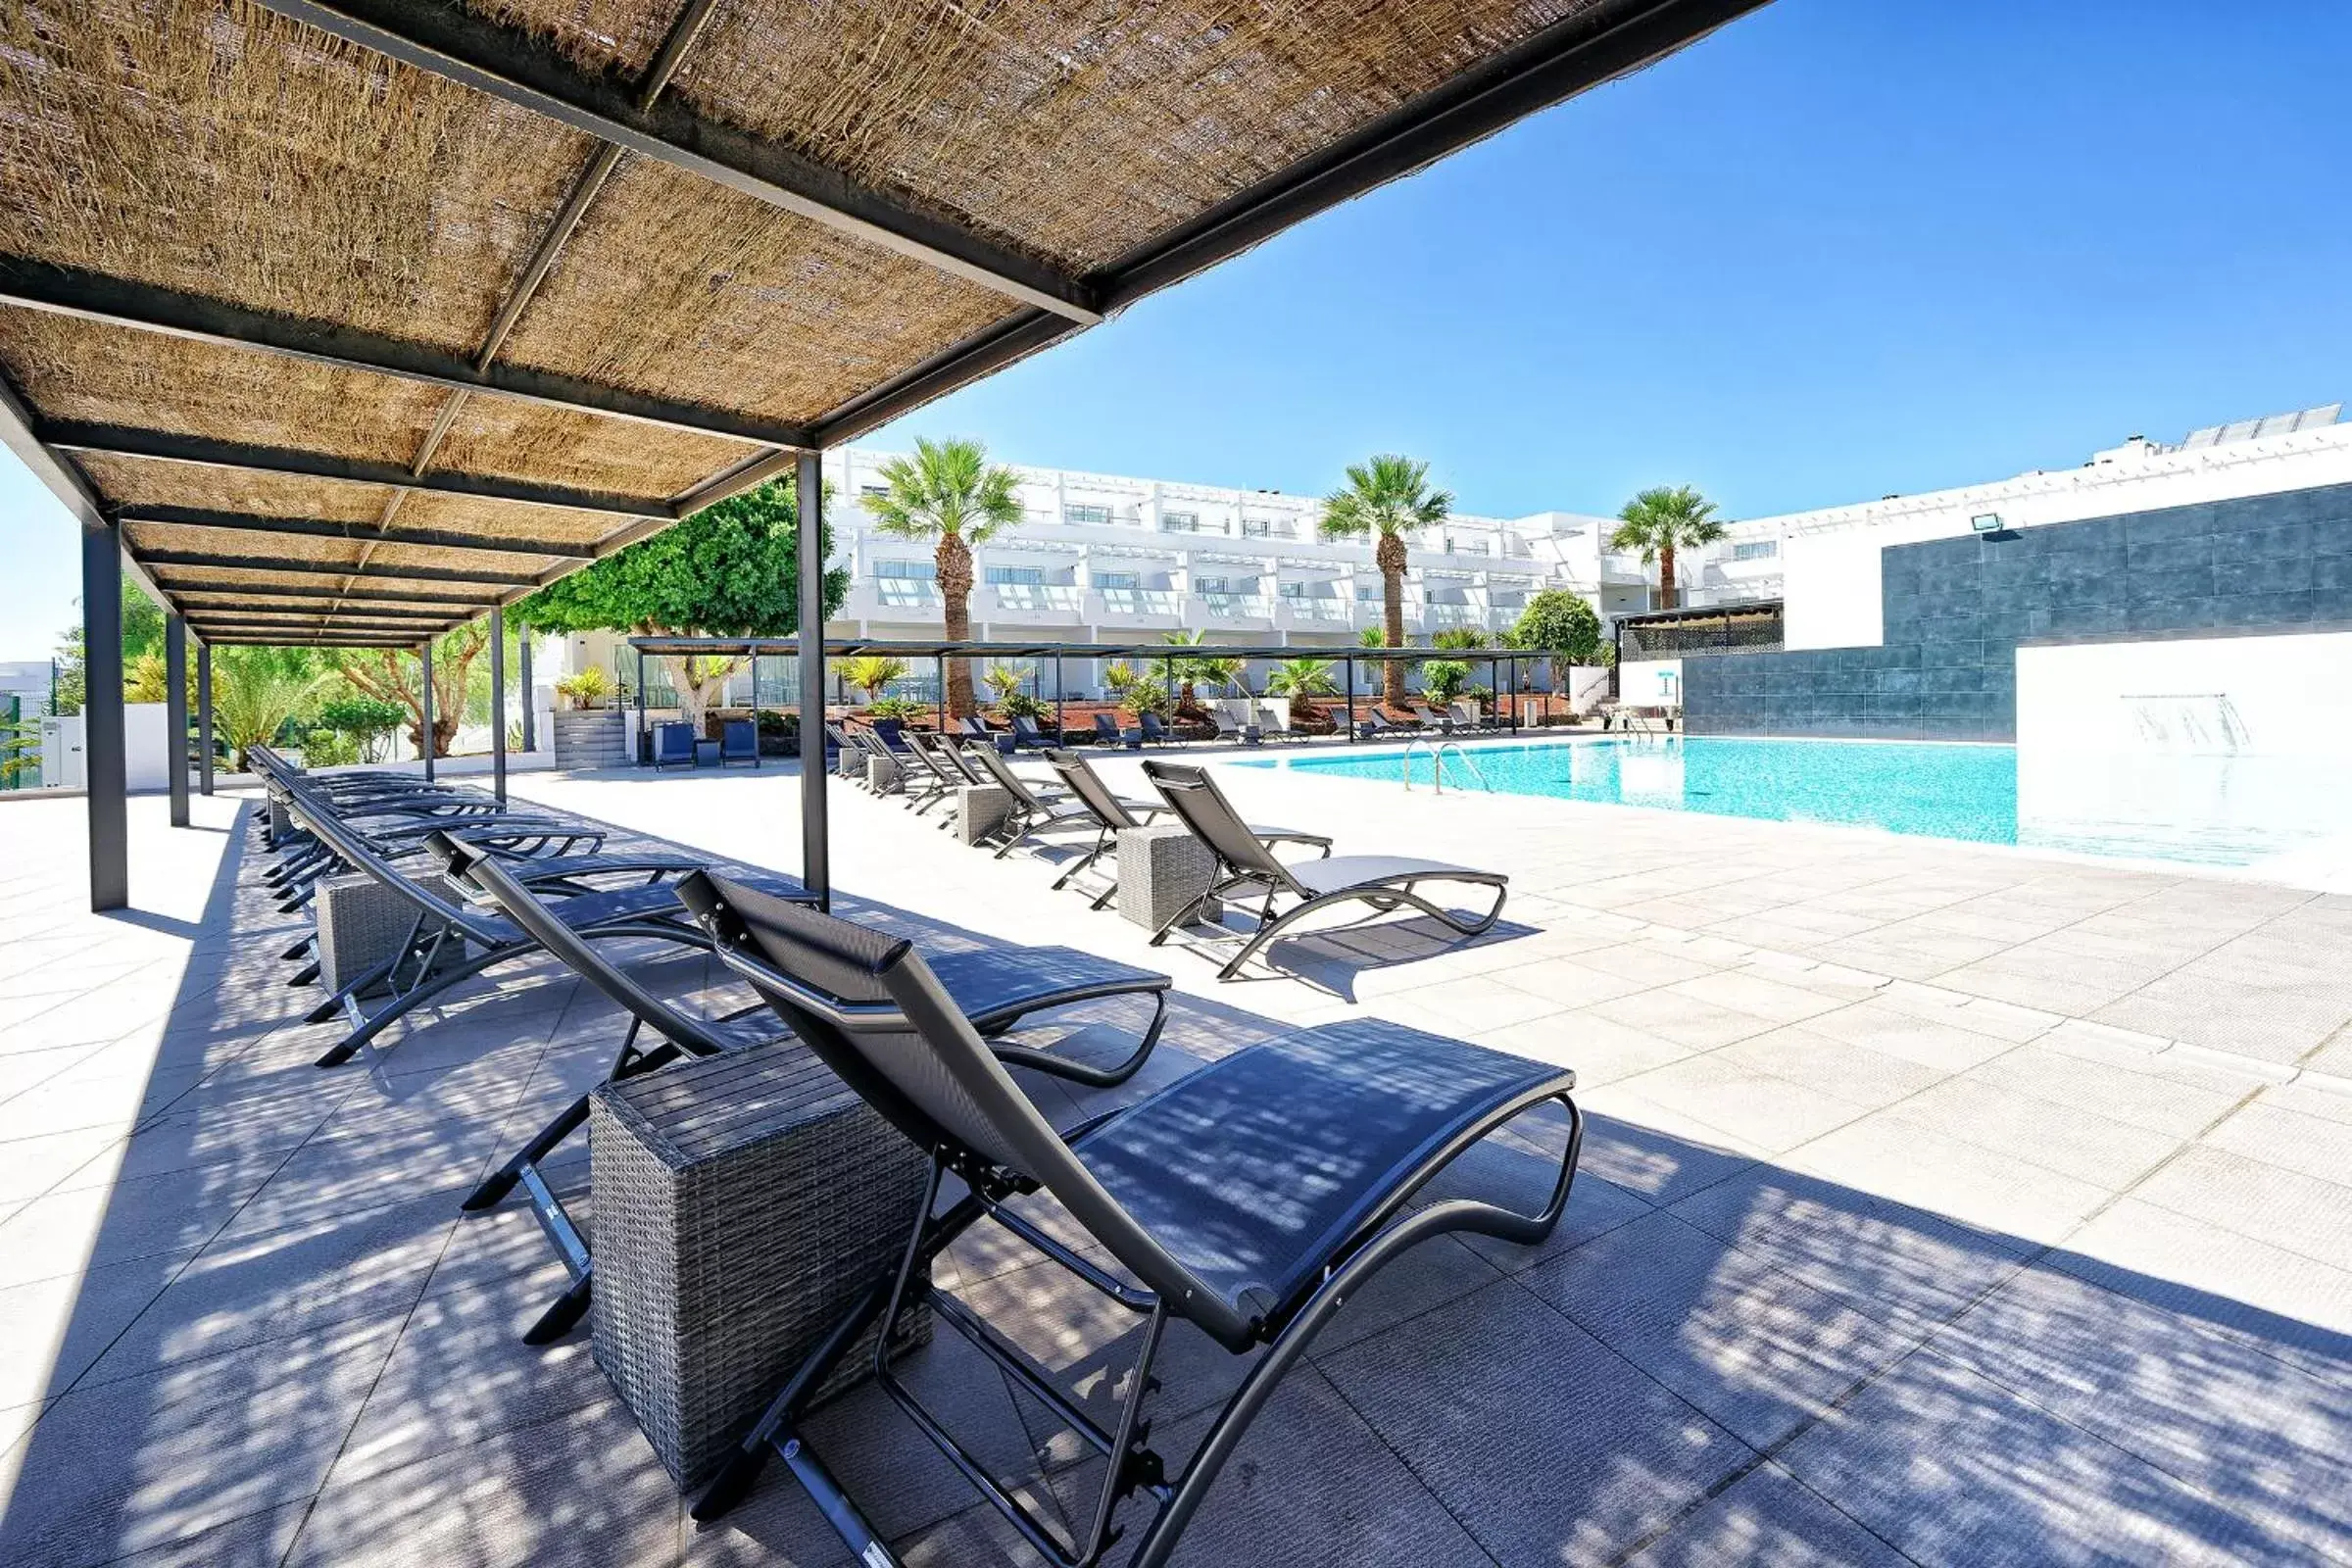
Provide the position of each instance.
(1941, 1205)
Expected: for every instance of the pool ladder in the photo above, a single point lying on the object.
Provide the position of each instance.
(1437, 763)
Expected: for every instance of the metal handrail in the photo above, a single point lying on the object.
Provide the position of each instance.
(1437, 763)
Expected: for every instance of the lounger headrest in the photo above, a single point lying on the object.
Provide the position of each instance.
(828, 955)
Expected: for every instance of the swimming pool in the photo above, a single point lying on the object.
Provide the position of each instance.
(2212, 811)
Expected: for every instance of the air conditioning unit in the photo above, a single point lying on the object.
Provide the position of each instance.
(61, 754)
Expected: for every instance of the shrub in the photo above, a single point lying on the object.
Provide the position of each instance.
(329, 748)
(904, 708)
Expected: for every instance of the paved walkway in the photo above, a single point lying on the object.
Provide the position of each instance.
(1941, 1203)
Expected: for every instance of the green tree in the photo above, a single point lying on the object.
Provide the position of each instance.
(1562, 625)
(142, 635)
(729, 571)
(1660, 522)
(396, 676)
(948, 493)
(1387, 499)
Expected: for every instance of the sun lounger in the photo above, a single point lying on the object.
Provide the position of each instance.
(1027, 736)
(1109, 733)
(1113, 813)
(1376, 726)
(1033, 812)
(1245, 863)
(448, 941)
(1249, 1200)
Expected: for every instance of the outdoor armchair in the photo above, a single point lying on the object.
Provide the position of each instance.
(1251, 1199)
(673, 744)
(1245, 863)
(739, 742)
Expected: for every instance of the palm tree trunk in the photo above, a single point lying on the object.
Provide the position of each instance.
(953, 561)
(1666, 590)
(1391, 557)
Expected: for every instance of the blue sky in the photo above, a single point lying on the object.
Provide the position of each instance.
(1844, 248)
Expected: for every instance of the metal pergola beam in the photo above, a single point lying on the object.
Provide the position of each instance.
(244, 640)
(167, 446)
(222, 614)
(358, 533)
(196, 319)
(1583, 51)
(331, 569)
(453, 43)
(207, 627)
(182, 591)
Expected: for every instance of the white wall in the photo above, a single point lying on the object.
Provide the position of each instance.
(1650, 682)
(2281, 696)
(145, 737)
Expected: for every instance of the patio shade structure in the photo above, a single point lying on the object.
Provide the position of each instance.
(343, 307)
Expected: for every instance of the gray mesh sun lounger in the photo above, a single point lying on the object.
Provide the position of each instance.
(1112, 813)
(999, 988)
(1250, 1200)
(1244, 863)
(448, 943)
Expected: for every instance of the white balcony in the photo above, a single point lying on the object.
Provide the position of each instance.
(1229, 609)
(1155, 605)
(1060, 604)
(1326, 614)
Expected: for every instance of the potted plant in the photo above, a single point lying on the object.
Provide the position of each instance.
(586, 688)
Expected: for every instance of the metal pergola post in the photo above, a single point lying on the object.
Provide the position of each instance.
(204, 718)
(530, 698)
(1515, 694)
(1352, 733)
(175, 716)
(1057, 694)
(498, 703)
(424, 660)
(943, 694)
(816, 864)
(104, 774)
(637, 745)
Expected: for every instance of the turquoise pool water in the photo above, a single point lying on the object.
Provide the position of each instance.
(2201, 809)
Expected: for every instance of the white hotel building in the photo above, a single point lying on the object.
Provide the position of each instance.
(1104, 558)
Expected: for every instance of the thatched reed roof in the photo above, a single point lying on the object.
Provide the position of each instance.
(357, 317)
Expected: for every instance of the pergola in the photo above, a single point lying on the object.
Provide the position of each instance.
(348, 322)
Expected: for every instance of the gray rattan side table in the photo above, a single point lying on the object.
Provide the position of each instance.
(980, 811)
(743, 1203)
(1162, 869)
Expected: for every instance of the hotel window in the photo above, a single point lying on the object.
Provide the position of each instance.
(1367, 592)
(1118, 579)
(873, 489)
(1211, 585)
(1294, 590)
(1180, 523)
(1090, 516)
(1764, 550)
(1017, 577)
(907, 570)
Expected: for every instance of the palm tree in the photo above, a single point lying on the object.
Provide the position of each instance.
(1660, 522)
(1302, 680)
(872, 673)
(1387, 498)
(256, 690)
(948, 492)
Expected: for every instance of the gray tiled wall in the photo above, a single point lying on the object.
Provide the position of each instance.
(1955, 611)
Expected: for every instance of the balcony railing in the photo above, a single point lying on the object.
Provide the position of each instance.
(1032, 596)
(1236, 606)
(1312, 609)
(902, 593)
(1142, 602)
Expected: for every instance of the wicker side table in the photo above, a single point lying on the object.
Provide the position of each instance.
(884, 776)
(980, 811)
(361, 923)
(743, 1203)
(1162, 869)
